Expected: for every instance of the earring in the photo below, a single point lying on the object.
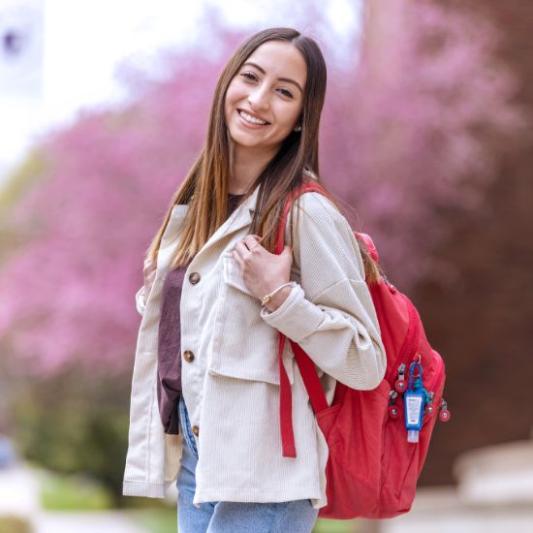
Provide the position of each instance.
(298, 128)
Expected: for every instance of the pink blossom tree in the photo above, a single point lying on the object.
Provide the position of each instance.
(397, 147)
(406, 131)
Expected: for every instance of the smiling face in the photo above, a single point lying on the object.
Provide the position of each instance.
(264, 99)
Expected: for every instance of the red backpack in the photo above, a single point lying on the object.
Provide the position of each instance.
(372, 468)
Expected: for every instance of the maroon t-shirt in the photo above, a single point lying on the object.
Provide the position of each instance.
(169, 342)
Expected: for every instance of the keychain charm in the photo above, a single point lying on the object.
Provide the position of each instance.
(430, 408)
(414, 401)
(394, 411)
(400, 385)
(444, 415)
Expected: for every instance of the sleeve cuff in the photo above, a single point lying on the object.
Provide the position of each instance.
(296, 317)
(139, 300)
(144, 489)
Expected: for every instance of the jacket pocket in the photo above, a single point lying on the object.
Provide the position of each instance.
(244, 345)
(233, 275)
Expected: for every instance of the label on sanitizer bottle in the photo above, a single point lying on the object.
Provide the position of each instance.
(414, 401)
(413, 408)
(414, 411)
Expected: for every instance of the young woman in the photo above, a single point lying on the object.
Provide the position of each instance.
(206, 363)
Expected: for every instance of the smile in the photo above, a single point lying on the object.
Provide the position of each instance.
(249, 119)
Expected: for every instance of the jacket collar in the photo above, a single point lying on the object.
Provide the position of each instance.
(241, 217)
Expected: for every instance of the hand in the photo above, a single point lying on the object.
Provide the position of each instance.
(262, 272)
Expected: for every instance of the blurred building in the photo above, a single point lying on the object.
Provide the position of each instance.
(21, 75)
(21, 59)
(57, 57)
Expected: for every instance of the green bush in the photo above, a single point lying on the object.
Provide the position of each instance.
(75, 424)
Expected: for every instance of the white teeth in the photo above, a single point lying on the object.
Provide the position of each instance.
(251, 119)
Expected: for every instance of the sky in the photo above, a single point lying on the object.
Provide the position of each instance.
(71, 49)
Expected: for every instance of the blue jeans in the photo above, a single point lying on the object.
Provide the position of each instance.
(296, 516)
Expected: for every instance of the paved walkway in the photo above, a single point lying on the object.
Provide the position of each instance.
(101, 522)
(19, 495)
(19, 491)
(441, 510)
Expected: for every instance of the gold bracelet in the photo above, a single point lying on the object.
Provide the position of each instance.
(265, 299)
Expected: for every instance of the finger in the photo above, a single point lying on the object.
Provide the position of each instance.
(252, 242)
(237, 258)
(241, 249)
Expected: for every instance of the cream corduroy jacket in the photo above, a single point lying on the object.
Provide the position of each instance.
(231, 387)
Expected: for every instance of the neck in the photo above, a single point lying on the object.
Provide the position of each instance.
(245, 166)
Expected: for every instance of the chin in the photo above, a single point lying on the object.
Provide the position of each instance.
(243, 139)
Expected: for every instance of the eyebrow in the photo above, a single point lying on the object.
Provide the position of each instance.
(262, 70)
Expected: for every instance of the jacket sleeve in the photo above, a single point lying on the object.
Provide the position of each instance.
(330, 313)
(140, 300)
(141, 295)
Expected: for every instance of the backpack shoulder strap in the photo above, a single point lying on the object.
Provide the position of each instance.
(308, 186)
(370, 246)
(305, 364)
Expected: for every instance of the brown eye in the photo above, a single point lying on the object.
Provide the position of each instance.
(249, 75)
(286, 93)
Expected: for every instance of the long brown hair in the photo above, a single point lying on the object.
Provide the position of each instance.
(205, 187)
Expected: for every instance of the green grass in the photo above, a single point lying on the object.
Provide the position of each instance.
(161, 520)
(335, 526)
(73, 493)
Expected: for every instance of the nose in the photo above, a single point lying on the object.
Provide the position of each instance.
(259, 98)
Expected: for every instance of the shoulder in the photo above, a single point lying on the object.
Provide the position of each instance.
(319, 213)
(316, 204)
(324, 235)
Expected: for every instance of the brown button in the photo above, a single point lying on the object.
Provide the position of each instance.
(188, 356)
(194, 277)
(196, 430)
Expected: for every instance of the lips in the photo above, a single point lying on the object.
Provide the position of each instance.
(253, 115)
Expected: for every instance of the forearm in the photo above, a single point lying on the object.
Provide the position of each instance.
(343, 342)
